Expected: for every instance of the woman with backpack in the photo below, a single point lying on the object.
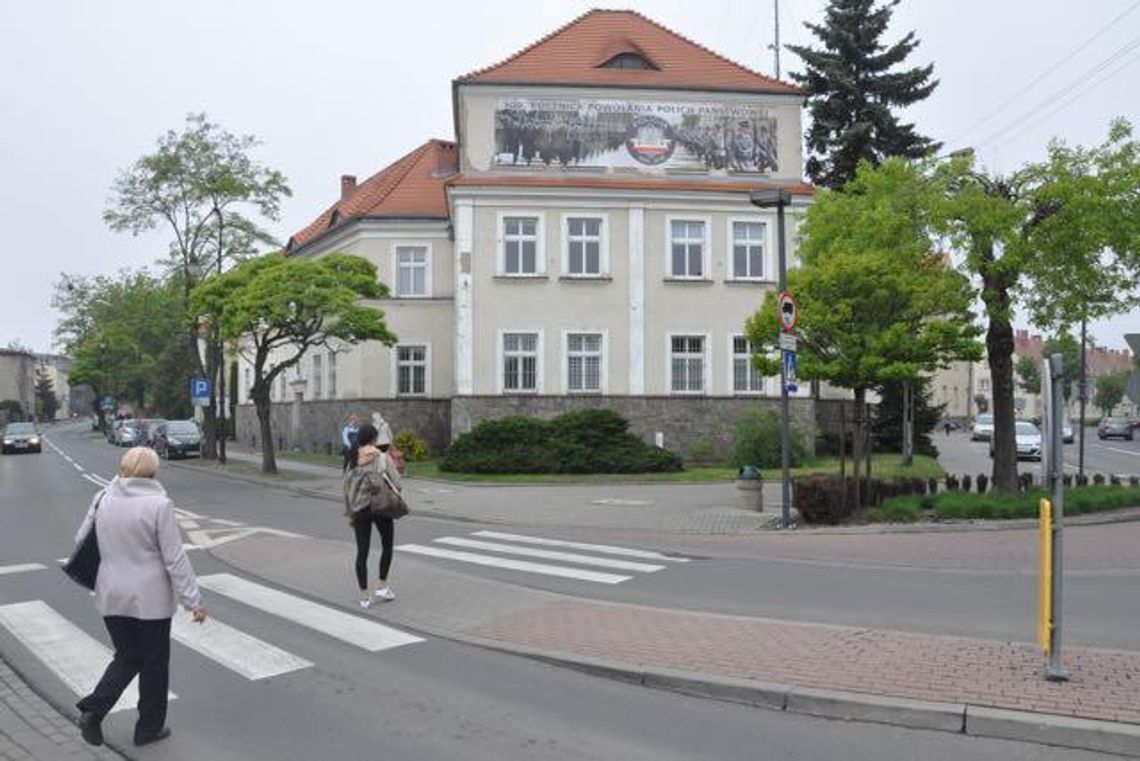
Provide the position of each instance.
(370, 471)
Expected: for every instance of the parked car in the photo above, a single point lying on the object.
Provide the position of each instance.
(1067, 432)
(1119, 427)
(126, 434)
(147, 427)
(983, 428)
(21, 437)
(177, 438)
(1028, 438)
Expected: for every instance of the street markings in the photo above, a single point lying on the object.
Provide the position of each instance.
(205, 532)
(249, 656)
(490, 554)
(354, 630)
(21, 568)
(73, 655)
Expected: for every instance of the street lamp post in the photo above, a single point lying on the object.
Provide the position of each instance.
(221, 419)
(766, 199)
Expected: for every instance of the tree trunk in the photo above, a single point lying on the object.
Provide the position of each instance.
(908, 423)
(999, 350)
(263, 405)
(857, 442)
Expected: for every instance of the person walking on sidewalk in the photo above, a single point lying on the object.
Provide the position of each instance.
(369, 466)
(348, 437)
(142, 565)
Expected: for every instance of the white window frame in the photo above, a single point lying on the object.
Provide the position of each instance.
(539, 248)
(603, 244)
(317, 365)
(769, 242)
(706, 246)
(604, 364)
(539, 366)
(331, 369)
(732, 357)
(396, 248)
(396, 369)
(706, 356)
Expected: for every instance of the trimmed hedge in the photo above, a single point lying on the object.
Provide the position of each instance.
(960, 505)
(830, 499)
(584, 441)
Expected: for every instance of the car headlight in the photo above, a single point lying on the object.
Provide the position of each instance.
(34, 440)
(8, 442)
(175, 442)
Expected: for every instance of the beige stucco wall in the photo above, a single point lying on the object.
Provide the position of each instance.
(477, 103)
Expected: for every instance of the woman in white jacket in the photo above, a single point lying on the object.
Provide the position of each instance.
(142, 566)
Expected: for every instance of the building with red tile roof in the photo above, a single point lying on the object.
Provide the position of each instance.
(586, 240)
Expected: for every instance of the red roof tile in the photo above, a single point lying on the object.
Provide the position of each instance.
(413, 187)
(573, 55)
(611, 182)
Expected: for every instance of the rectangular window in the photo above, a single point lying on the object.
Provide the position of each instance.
(318, 376)
(332, 375)
(282, 389)
(411, 370)
(584, 362)
(748, 250)
(520, 361)
(411, 270)
(687, 248)
(248, 373)
(687, 362)
(584, 245)
(745, 378)
(520, 245)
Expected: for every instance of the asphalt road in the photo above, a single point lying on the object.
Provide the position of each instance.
(957, 454)
(431, 699)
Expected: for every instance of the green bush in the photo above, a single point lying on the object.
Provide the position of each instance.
(830, 499)
(960, 505)
(757, 441)
(584, 441)
(898, 510)
(703, 451)
(410, 445)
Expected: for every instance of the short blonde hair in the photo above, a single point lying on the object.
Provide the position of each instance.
(138, 462)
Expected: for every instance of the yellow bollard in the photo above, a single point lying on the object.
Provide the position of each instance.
(1045, 585)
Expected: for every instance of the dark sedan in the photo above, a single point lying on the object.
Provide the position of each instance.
(1115, 427)
(22, 437)
(177, 438)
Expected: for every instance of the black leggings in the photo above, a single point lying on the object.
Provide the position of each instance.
(362, 525)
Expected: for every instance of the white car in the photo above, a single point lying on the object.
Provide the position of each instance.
(1028, 441)
(983, 428)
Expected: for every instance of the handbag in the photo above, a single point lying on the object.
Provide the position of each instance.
(83, 565)
(389, 502)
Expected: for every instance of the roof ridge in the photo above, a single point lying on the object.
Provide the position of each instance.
(531, 46)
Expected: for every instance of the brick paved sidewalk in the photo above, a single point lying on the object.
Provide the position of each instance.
(1104, 684)
(32, 729)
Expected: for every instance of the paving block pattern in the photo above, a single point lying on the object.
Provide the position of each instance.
(1104, 684)
(32, 729)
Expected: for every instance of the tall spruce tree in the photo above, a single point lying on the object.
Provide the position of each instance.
(851, 89)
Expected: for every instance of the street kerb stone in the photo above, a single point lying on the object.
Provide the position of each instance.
(918, 714)
(1066, 731)
(747, 691)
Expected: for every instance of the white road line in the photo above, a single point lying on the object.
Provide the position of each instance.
(249, 656)
(1133, 452)
(73, 655)
(77, 466)
(93, 480)
(603, 548)
(565, 557)
(515, 565)
(21, 568)
(354, 630)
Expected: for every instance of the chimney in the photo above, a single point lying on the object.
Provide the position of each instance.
(347, 185)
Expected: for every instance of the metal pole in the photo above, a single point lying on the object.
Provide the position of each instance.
(221, 362)
(1056, 671)
(1081, 402)
(776, 46)
(785, 414)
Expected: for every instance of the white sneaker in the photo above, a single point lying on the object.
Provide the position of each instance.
(384, 594)
(366, 603)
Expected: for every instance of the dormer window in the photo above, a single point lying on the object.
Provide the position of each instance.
(629, 61)
(334, 217)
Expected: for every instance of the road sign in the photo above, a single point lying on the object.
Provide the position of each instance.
(786, 311)
(790, 372)
(788, 341)
(200, 391)
(107, 403)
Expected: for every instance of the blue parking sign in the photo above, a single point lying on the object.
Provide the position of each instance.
(200, 391)
(790, 372)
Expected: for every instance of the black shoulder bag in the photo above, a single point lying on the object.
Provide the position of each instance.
(83, 565)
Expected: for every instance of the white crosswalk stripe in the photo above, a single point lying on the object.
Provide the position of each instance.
(355, 630)
(490, 554)
(21, 568)
(234, 649)
(73, 655)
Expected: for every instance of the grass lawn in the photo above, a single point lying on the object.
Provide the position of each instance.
(882, 466)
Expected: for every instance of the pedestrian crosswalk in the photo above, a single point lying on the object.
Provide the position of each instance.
(494, 548)
(78, 658)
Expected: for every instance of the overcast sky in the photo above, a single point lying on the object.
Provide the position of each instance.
(344, 87)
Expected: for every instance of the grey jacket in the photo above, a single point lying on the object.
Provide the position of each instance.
(142, 561)
(363, 482)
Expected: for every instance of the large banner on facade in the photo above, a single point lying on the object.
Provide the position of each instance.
(639, 134)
